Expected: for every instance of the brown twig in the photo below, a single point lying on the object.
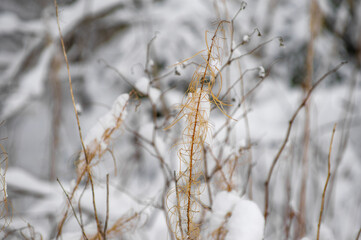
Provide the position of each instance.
(328, 178)
(71, 205)
(248, 139)
(178, 206)
(107, 213)
(77, 117)
(79, 203)
(288, 132)
(300, 230)
(61, 224)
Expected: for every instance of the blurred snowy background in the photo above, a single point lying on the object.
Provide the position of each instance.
(114, 46)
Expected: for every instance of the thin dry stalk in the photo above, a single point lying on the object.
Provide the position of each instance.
(288, 132)
(328, 178)
(301, 228)
(79, 202)
(178, 206)
(107, 210)
(77, 118)
(348, 117)
(55, 124)
(61, 224)
(248, 139)
(206, 176)
(221, 232)
(74, 212)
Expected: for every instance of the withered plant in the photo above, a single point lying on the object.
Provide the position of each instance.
(196, 111)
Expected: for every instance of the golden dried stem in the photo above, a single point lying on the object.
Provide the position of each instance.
(77, 119)
(328, 178)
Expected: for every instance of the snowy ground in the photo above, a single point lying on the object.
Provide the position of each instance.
(121, 48)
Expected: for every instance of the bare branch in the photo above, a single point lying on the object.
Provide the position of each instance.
(290, 124)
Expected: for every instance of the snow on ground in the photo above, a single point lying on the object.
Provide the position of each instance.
(137, 179)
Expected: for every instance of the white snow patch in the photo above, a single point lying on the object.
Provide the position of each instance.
(154, 94)
(18, 178)
(326, 233)
(246, 38)
(143, 86)
(245, 220)
(95, 136)
(261, 72)
(31, 85)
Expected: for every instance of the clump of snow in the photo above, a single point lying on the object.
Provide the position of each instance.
(9, 22)
(261, 72)
(150, 64)
(23, 181)
(79, 109)
(97, 138)
(178, 69)
(143, 86)
(241, 218)
(326, 233)
(246, 38)
(154, 94)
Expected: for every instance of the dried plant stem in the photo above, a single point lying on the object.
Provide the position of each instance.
(196, 110)
(248, 139)
(195, 141)
(107, 213)
(178, 206)
(79, 202)
(77, 119)
(190, 178)
(301, 228)
(69, 77)
(290, 124)
(100, 232)
(347, 114)
(206, 176)
(328, 178)
(71, 205)
(56, 116)
(61, 224)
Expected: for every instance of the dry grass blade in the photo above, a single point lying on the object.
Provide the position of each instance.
(77, 117)
(328, 178)
(74, 212)
(107, 213)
